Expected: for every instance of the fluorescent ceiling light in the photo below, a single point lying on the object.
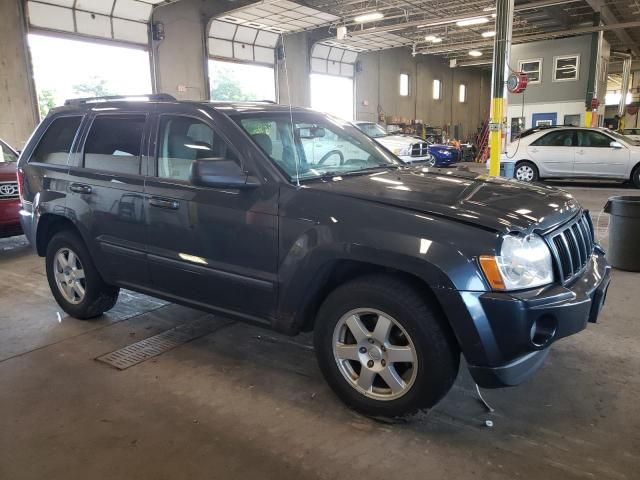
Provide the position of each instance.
(490, 33)
(369, 17)
(488, 9)
(436, 40)
(430, 38)
(475, 53)
(472, 21)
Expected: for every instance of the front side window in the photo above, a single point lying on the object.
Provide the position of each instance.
(372, 130)
(588, 138)
(313, 146)
(559, 138)
(404, 85)
(565, 68)
(533, 69)
(114, 144)
(55, 145)
(182, 140)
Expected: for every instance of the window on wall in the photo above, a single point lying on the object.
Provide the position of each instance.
(65, 68)
(437, 89)
(231, 81)
(332, 94)
(565, 68)
(404, 85)
(462, 93)
(533, 69)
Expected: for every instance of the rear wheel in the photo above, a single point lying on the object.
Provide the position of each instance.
(526, 172)
(74, 280)
(383, 349)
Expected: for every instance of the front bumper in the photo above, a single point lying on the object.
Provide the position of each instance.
(10, 218)
(524, 324)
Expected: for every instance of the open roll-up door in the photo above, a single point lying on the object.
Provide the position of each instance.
(329, 59)
(242, 43)
(118, 20)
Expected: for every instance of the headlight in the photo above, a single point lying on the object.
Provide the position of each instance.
(524, 262)
(404, 151)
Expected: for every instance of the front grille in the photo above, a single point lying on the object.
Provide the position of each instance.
(420, 149)
(8, 190)
(572, 247)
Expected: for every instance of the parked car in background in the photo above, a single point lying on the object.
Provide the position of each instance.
(9, 197)
(411, 149)
(397, 270)
(573, 152)
(632, 133)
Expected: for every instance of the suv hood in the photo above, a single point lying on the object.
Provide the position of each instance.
(492, 203)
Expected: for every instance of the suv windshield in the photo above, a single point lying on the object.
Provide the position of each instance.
(6, 154)
(372, 130)
(309, 146)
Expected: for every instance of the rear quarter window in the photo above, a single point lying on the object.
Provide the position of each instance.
(55, 144)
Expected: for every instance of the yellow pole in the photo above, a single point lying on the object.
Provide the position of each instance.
(501, 47)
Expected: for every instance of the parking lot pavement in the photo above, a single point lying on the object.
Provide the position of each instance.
(242, 402)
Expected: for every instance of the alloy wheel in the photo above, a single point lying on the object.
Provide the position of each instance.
(524, 173)
(375, 354)
(69, 275)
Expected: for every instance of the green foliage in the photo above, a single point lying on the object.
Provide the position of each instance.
(226, 87)
(46, 101)
(93, 87)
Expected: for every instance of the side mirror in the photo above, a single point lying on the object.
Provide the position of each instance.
(220, 173)
(615, 145)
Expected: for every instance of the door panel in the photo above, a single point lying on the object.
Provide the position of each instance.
(107, 192)
(206, 245)
(596, 158)
(554, 153)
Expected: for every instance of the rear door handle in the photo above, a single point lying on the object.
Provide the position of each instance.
(168, 203)
(80, 188)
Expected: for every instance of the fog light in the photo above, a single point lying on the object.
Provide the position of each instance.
(543, 330)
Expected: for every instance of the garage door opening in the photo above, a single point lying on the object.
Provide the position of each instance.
(65, 68)
(333, 95)
(231, 81)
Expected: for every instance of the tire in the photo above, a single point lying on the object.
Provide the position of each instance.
(635, 176)
(70, 276)
(416, 327)
(527, 170)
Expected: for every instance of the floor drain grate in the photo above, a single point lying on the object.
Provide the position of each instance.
(158, 344)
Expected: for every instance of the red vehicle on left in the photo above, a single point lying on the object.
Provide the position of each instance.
(9, 194)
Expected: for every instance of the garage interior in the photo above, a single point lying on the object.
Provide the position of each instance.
(220, 399)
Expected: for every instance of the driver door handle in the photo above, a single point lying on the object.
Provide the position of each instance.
(534, 150)
(80, 188)
(167, 203)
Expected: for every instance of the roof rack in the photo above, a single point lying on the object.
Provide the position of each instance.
(154, 97)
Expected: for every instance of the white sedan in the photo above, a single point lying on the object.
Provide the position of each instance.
(571, 152)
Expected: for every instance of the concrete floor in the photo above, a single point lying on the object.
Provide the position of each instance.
(243, 403)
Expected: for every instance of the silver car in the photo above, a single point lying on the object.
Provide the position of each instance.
(573, 152)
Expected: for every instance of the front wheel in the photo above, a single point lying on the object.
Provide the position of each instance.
(74, 280)
(383, 349)
(526, 172)
(635, 176)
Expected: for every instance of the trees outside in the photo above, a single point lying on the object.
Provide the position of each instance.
(46, 101)
(94, 86)
(225, 86)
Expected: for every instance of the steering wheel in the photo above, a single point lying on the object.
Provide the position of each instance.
(328, 154)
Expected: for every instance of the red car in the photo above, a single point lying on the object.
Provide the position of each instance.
(9, 196)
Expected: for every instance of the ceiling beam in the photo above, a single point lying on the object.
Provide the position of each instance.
(608, 17)
(454, 47)
(445, 21)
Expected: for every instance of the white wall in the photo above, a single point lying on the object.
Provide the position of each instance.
(560, 108)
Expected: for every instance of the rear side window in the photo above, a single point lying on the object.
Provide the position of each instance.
(55, 145)
(558, 138)
(114, 144)
(588, 138)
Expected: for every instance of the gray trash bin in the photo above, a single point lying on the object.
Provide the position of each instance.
(624, 232)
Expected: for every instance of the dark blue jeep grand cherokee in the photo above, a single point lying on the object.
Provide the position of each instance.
(228, 208)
